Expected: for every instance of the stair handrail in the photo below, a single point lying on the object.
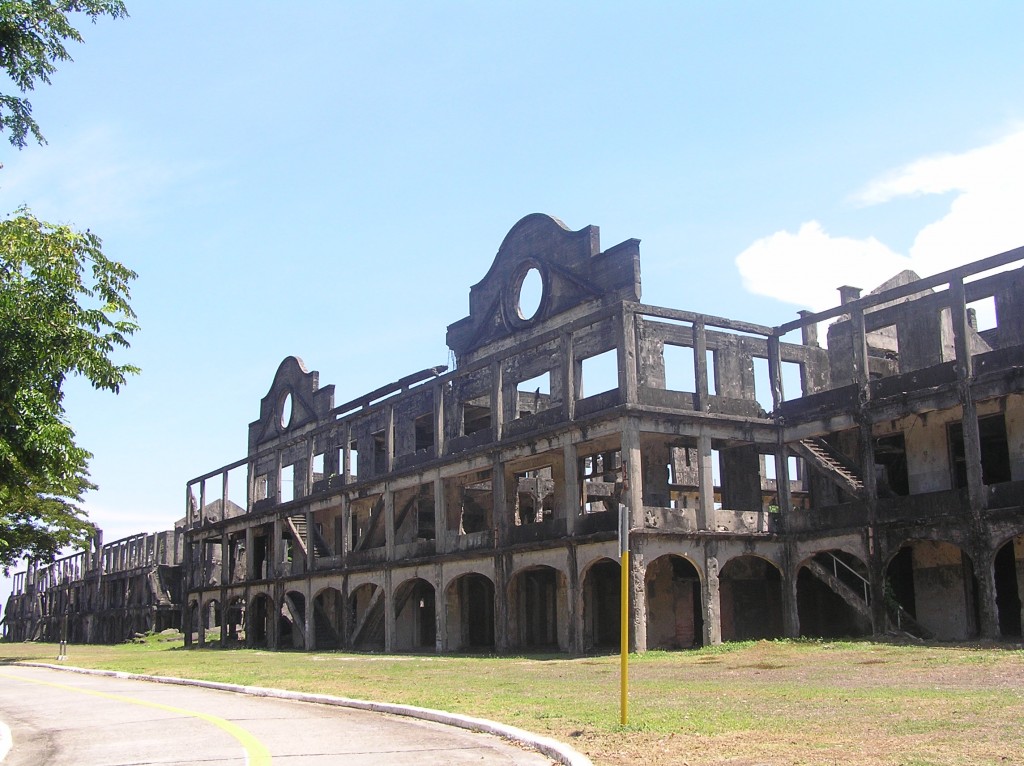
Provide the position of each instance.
(836, 562)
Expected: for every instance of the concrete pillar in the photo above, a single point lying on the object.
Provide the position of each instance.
(706, 484)
(389, 523)
(440, 611)
(637, 596)
(626, 348)
(712, 599)
(389, 614)
(441, 542)
(700, 365)
(632, 472)
(571, 487)
(250, 554)
(502, 572)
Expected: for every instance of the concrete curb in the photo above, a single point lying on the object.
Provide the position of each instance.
(552, 748)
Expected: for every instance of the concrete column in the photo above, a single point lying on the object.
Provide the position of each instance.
(568, 373)
(439, 433)
(250, 554)
(389, 614)
(310, 618)
(441, 544)
(389, 523)
(497, 401)
(501, 516)
(700, 364)
(712, 599)
(502, 567)
(626, 348)
(637, 596)
(706, 488)
(440, 611)
(310, 543)
(225, 559)
(632, 473)
(275, 550)
(572, 487)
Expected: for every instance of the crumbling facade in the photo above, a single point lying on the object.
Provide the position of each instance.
(102, 595)
(476, 508)
(773, 485)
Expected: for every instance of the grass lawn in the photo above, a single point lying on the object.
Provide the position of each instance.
(743, 704)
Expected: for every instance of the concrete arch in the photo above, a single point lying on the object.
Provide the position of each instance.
(328, 618)
(469, 605)
(537, 595)
(833, 595)
(675, 615)
(933, 583)
(210, 614)
(601, 597)
(234, 621)
(259, 626)
(366, 617)
(750, 589)
(1008, 570)
(415, 615)
(292, 621)
(587, 556)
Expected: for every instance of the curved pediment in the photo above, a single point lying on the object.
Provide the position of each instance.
(294, 400)
(569, 268)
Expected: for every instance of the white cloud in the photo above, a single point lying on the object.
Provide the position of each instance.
(806, 268)
(984, 218)
(95, 179)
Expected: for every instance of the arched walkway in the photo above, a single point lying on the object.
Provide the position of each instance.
(833, 596)
(366, 610)
(291, 631)
(1009, 576)
(602, 589)
(751, 599)
(328, 612)
(933, 584)
(674, 614)
(537, 595)
(415, 618)
(470, 609)
(257, 630)
(234, 619)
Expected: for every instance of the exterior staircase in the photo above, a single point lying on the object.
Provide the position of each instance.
(300, 533)
(370, 629)
(832, 463)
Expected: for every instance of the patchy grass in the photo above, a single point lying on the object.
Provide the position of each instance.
(791, 703)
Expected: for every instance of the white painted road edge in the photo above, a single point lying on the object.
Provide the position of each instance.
(552, 748)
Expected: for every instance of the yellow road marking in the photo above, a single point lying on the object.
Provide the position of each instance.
(256, 753)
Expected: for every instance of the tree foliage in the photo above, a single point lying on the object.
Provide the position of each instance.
(33, 34)
(64, 310)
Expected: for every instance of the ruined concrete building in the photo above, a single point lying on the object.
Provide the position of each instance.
(102, 595)
(774, 485)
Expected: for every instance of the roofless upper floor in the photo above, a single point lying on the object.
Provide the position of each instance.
(582, 348)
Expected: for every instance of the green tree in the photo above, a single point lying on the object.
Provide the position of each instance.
(64, 310)
(33, 34)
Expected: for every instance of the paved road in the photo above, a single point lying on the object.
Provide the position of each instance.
(69, 718)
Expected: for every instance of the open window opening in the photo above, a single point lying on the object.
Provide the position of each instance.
(414, 514)
(995, 453)
(380, 452)
(424, 431)
(534, 395)
(981, 314)
(680, 372)
(476, 415)
(367, 523)
(683, 477)
(469, 503)
(891, 473)
(353, 461)
(286, 485)
(710, 358)
(598, 374)
(535, 496)
(600, 477)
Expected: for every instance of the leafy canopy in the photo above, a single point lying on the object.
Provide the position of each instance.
(32, 38)
(64, 311)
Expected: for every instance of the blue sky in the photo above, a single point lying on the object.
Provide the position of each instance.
(328, 179)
